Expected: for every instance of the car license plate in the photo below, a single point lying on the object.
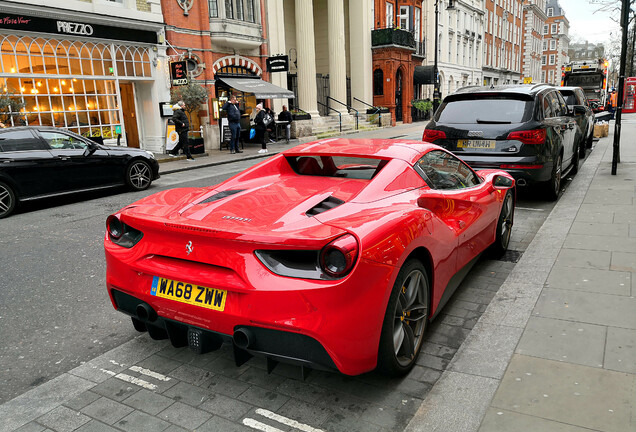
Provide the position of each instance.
(196, 295)
(476, 144)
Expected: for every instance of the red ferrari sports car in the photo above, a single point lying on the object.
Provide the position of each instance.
(334, 254)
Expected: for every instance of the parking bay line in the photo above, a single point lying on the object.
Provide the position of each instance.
(255, 424)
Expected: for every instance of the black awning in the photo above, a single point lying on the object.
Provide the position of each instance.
(424, 75)
(261, 89)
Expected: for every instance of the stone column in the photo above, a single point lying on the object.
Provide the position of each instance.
(337, 59)
(361, 62)
(276, 26)
(307, 94)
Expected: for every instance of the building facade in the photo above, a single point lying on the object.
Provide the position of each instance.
(586, 51)
(503, 34)
(92, 67)
(555, 43)
(460, 42)
(397, 45)
(534, 18)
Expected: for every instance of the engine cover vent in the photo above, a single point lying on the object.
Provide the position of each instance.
(323, 206)
(221, 195)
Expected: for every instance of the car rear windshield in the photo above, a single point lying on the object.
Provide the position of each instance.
(337, 166)
(477, 108)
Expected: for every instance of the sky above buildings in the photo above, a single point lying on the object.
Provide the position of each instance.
(591, 20)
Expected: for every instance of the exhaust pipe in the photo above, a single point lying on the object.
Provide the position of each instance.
(145, 312)
(521, 182)
(243, 338)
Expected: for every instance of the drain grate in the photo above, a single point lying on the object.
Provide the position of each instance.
(511, 256)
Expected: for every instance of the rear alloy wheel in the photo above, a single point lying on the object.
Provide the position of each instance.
(553, 186)
(7, 200)
(405, 320)
(139, 175)
(504, 226)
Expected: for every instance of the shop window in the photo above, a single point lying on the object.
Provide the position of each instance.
(36, 71)
(378, 82)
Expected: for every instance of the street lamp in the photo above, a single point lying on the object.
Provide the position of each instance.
(436, 91)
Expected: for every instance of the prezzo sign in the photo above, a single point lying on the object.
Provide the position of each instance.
(74, 28)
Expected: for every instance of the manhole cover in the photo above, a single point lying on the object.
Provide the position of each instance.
(511, 256)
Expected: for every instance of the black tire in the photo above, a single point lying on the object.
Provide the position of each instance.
(504, 226)
(138, 175)
(7, 200)
(405, 320)
(589, 141)
(553, 186)
(582, 149)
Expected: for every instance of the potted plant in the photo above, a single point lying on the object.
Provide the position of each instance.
(422, 108)
(298, 114)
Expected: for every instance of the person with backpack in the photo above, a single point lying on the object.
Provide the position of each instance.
(234, 121)
(261, 121)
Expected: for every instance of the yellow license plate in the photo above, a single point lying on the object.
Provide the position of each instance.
(476, 144)
(196, 295)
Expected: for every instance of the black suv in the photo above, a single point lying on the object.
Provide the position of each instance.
(526, 130)
(40, 162)
(583, 114)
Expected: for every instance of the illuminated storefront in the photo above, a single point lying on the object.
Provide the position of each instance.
(80, 79)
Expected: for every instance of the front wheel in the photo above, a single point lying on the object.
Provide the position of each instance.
(405, 320)
(7, 200)
(139, 175)
(504, 226)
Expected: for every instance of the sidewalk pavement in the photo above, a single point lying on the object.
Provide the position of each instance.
(215, 156)
(556, 348)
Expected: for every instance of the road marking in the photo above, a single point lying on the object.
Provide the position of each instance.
(286, 421)
(254, 424)
(529, 209)
(148, 372)
(131, 379)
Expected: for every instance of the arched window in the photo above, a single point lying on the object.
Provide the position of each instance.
(378, 82)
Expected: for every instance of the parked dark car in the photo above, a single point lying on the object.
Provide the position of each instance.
(583, 114)
(526, 130)
(40, 162)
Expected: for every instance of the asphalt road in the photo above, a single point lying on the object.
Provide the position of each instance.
(55, 312)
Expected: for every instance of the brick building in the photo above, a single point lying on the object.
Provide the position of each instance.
(503, 34)
(555, 43)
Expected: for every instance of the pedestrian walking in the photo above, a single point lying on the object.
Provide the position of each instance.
(260, 127)
(234, 120)
(181, 126)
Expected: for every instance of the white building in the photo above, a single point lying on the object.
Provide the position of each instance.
(460, 43)
(533, 21)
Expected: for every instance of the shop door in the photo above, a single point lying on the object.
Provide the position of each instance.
(128, 110)
(398, 95)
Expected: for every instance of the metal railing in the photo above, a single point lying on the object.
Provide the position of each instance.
(329, 108)
(377, 110)
(345, 105)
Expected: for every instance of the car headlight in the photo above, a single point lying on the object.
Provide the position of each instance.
(334, 261)
(151, 154)
(122, 234)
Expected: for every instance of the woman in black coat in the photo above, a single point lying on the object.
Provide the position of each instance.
(260, 128)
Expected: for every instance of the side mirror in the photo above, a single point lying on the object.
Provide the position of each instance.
(578, 110)
(502, 182)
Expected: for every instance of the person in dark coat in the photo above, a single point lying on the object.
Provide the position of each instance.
(260, 128)
(286, 117)
(234, 120)
(181, 126)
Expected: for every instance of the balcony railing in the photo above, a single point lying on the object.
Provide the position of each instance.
(392, 36)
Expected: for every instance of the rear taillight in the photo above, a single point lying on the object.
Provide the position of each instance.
(338, 257)
(122, 234)
(533, 136)
(431, 135)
